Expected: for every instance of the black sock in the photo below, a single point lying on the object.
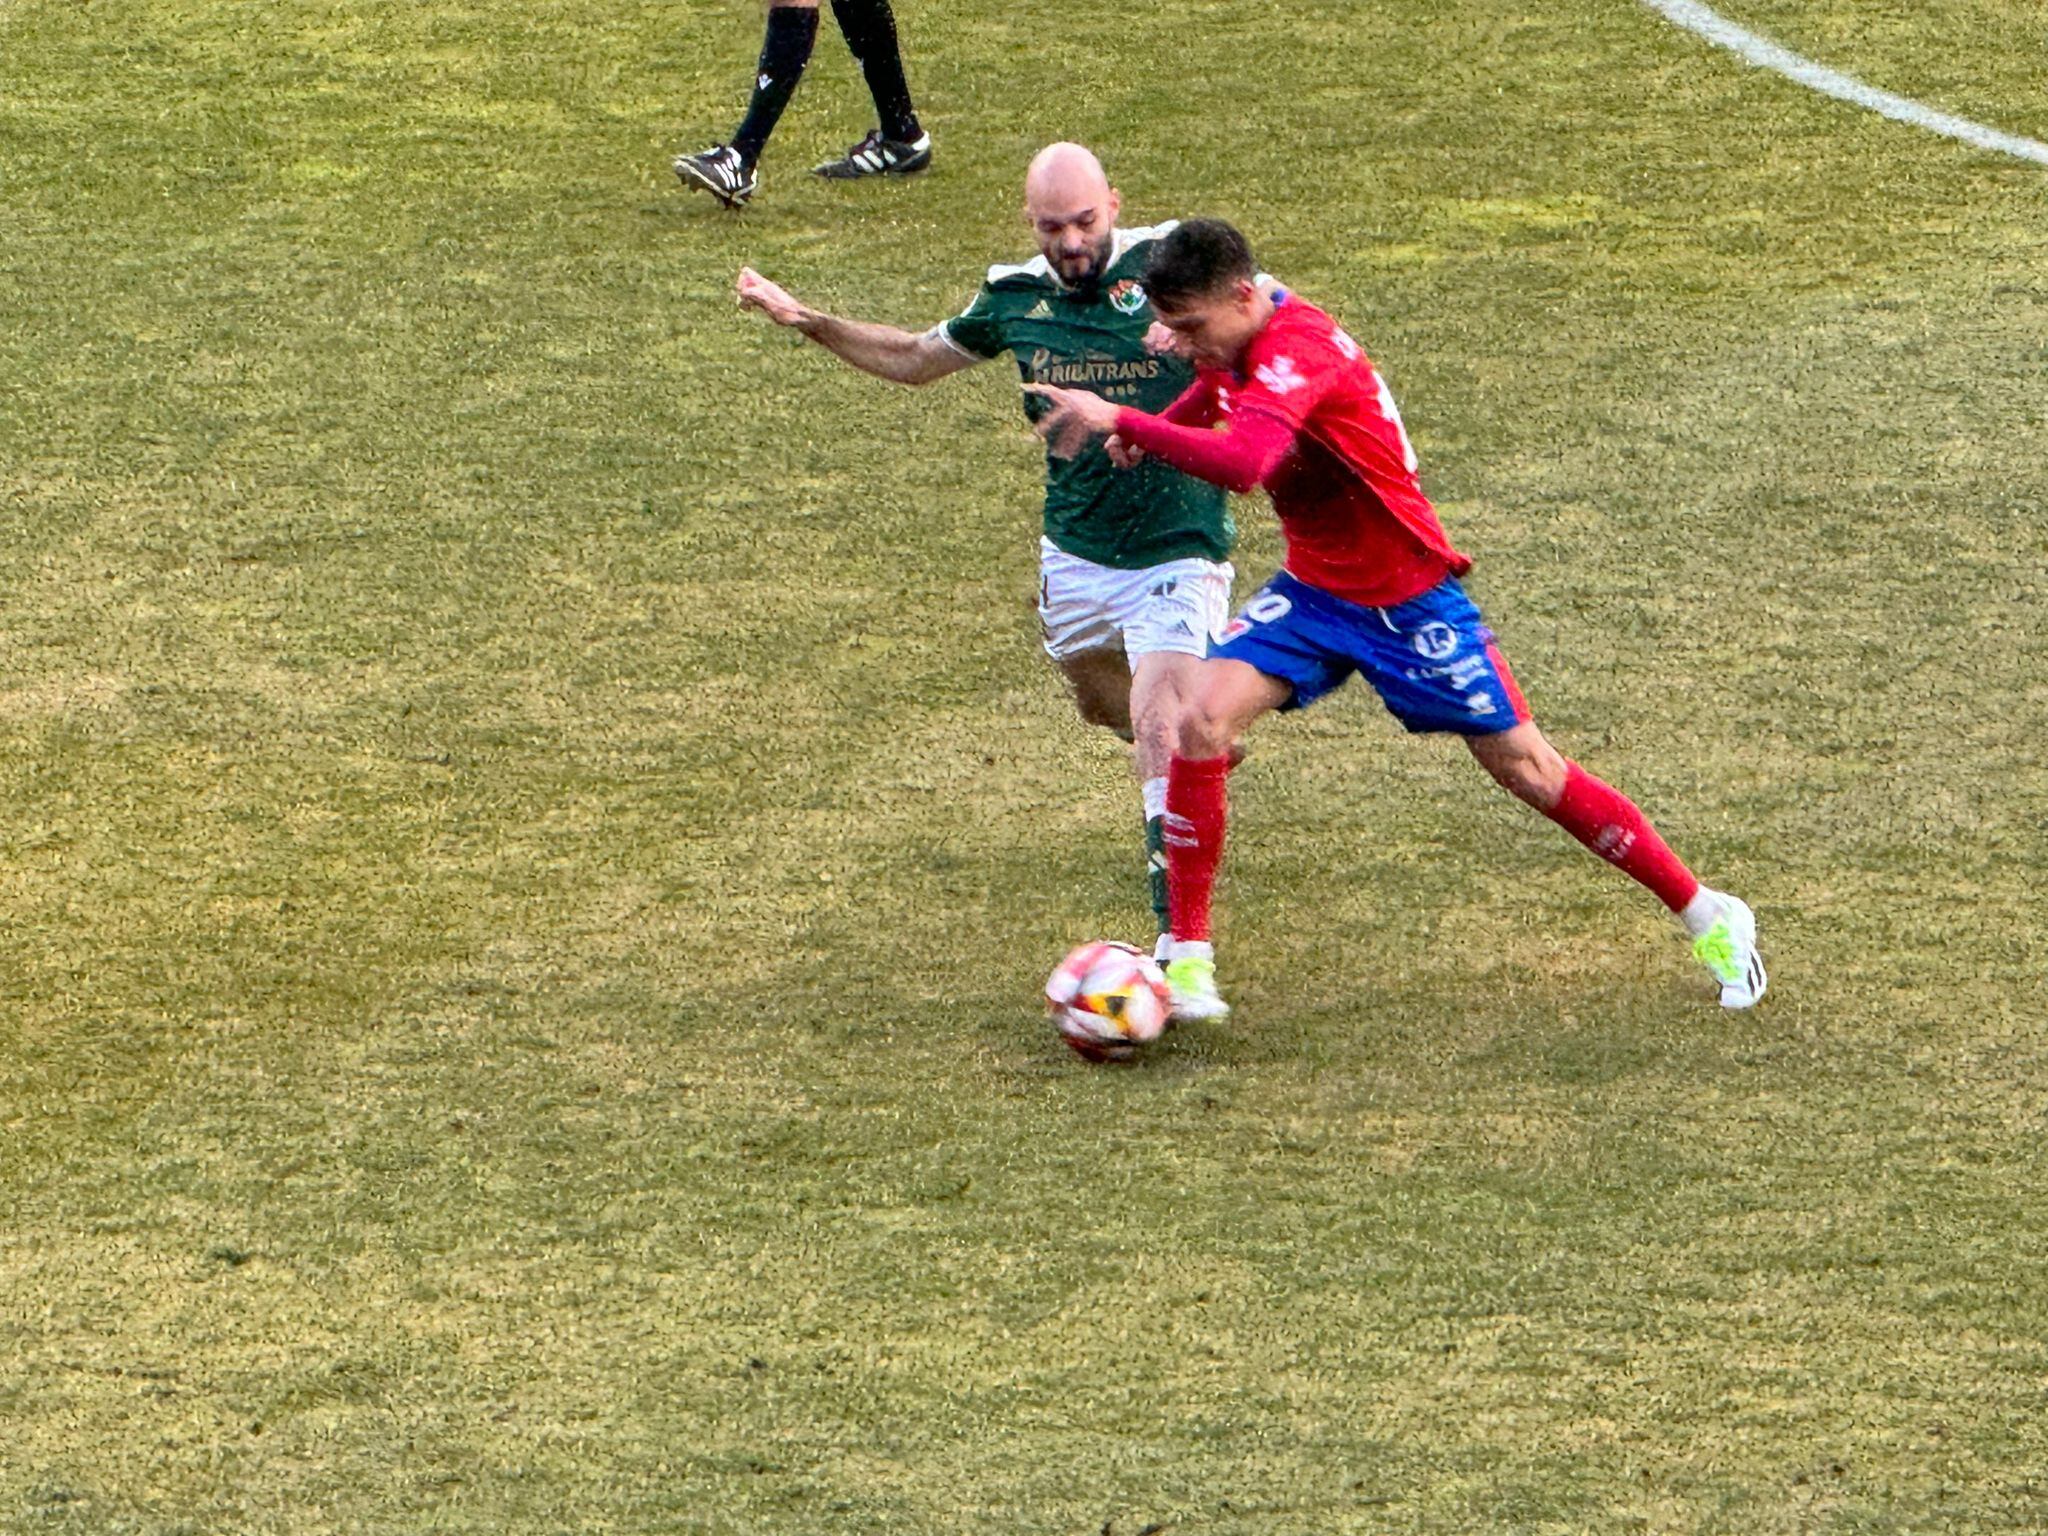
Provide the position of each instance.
(870, 28)
(792, 29)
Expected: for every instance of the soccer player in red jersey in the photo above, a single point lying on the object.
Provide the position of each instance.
(1285, 399)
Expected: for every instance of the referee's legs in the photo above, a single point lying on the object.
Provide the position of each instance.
(870, 29)
(785, 50)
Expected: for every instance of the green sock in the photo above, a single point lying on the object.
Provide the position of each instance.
(1155, 867)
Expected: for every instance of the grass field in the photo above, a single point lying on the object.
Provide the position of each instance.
(534, 818)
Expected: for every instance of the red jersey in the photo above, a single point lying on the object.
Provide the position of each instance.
(1312, 421)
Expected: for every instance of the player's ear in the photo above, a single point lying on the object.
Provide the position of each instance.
(1116, 204)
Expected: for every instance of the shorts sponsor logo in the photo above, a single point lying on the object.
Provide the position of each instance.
(1460, 674)
(1435, 640)
(1480, 703)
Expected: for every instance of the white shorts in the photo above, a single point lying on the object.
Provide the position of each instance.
(1181, 605)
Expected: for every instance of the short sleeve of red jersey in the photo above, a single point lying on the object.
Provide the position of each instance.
(1289, 374)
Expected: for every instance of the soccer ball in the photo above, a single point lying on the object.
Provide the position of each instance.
(1107, 999)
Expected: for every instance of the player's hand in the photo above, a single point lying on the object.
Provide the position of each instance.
(756, 292)
(1162, 340)
(1076, 416)
(1122, 454)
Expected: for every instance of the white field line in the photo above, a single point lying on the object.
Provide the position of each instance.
(1765, 54)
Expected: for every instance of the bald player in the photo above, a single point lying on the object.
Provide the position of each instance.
(1134, 573)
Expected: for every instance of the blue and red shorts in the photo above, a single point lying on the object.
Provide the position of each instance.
(1432, 659)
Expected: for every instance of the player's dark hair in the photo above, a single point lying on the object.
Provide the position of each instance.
(1200, 257)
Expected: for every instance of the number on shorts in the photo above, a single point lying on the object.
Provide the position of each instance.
(1266, 607)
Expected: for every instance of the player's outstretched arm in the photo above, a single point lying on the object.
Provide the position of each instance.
(1077, 415)
(1237, 458)
(902, 357)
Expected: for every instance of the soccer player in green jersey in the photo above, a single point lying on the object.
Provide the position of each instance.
(1134, 573)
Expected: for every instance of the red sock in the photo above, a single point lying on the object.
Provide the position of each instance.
(1607, 821)
(1197, 808)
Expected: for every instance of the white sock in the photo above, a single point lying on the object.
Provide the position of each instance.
(1154, 792)
(1189, 949)
(1702, 912)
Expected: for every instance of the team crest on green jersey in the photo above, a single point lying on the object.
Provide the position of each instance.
(1127, 297)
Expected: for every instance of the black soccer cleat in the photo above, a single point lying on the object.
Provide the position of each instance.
(877, 156)
(720, 171)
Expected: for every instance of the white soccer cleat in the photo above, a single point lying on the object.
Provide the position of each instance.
(1728, 949)
(1191, 978)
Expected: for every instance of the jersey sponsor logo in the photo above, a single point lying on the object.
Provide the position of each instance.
(1280, 376)
(1127, 297)
(1048, 367)
(1435, 640)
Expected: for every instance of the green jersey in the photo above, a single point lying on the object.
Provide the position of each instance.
(1094, 339)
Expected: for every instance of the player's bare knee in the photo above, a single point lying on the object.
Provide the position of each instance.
(1536, 778)
(1157, 733)
(1523, 779)
(1203, 733)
